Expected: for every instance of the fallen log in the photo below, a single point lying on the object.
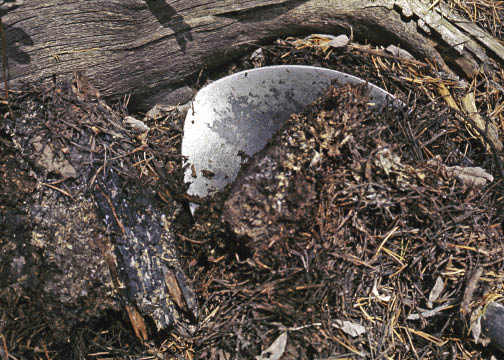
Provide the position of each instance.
(150, 48)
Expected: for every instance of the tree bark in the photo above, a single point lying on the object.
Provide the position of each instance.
(150, 47)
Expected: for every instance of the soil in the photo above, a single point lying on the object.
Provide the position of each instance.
(336, 234)
(339, 219)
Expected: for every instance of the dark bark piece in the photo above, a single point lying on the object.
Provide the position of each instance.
(141, 232)
(80, 232)
(492, 324)
(53, 270)
(149, 48)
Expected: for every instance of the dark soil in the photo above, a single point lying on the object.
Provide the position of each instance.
(342, 218)
(348, 216)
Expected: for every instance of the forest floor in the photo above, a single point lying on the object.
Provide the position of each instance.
(389, 243)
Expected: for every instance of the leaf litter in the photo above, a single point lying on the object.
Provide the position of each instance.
(335, 238)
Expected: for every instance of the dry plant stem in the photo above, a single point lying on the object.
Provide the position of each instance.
(4, 343)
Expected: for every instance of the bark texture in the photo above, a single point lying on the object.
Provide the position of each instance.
(149, 48)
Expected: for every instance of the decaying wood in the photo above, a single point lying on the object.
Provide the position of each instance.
(71, 237)
(150, 48)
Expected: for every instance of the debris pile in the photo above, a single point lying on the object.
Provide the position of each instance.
(349, 230)
(353, 233)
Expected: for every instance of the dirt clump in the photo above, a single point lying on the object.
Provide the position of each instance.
(342, 222)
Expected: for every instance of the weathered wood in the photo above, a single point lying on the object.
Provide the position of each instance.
(148, 48)
(85, 248)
